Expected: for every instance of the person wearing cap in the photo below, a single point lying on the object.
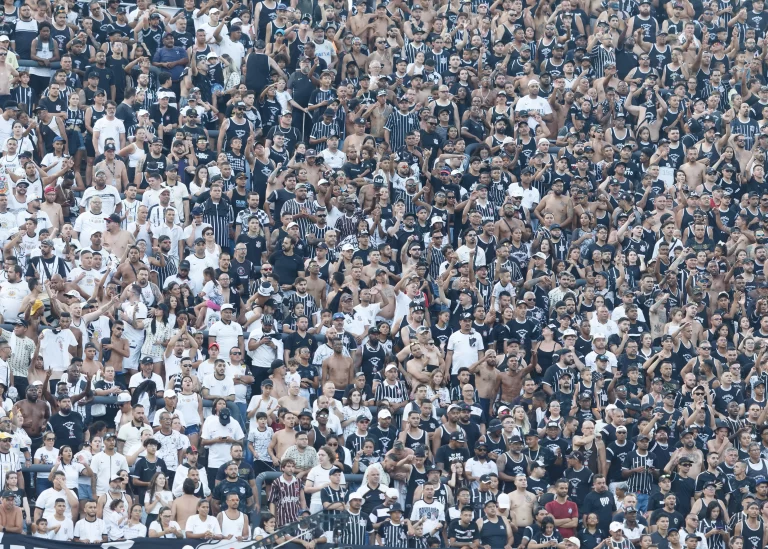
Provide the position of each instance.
(479, 465)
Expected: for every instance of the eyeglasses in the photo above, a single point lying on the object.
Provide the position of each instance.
(332, 444)
(322, 215)
(698, 394)
(268, 270)
(705, 348)
(235, 353)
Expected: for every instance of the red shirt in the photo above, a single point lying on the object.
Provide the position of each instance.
(565, 510)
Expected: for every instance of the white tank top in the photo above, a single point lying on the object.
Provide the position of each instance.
(188, 408)
(232, 527)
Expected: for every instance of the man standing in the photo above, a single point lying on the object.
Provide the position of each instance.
(105, 466)
(564, 511)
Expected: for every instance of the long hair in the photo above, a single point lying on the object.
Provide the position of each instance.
(153, 485)
(153, 325)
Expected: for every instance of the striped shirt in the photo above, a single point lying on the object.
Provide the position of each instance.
(353, 529)
(437, 259)
(27, 96)
(285, 495)
(310, 306)
(170, 269)
(329, 495)
(640, 483)
(600, 58)
(346, 225)
(219, 216)
(393, 393)
(319, 233)
(8, 462)
(399, 126)
(321, 129)
(393, 535)
(294, 207)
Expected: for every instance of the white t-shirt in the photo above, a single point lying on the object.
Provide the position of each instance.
(66, 531)
(55, 349)
(11, 296)
(46, 457)
(227, 335)
(218, 453)
(173, 524)
(197, 266)
(108, 128)
(110, 198)
(132, 334)
(137, 379)
(131, 437)
(433, 511)
(538, 104)
(465, 348)
(219, 387)
(90, 532)
(319, 476)
(197, 526)
(47, 502)
(368, 314)
(88, 223)
(88, 282)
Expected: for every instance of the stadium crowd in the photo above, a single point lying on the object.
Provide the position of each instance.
(457, 274)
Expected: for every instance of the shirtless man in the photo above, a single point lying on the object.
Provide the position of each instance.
(279, 388)
(521, 503)
(508, 222)
(693, 169)
(316, 286)
(49, 206)
(561, 206)
(416, 367)
(292, 400)
(90, 365)
(35, 412)
(283, 439)
(487, 379)
(116, 240)
(186, 505)
(338, 369)
(512, 380)
(127, 272)
(356, 140)
(7, 74)
(116, 350)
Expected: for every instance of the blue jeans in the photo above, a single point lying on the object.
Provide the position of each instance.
(642, 502)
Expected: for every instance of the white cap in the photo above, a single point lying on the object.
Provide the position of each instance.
(516, 192)
(611, 408)
(212, 55)
(457, 172)
(227, 306)
(502, 501)
(507, 140)
(569, 332)
(124, 397)
(142, 112)
(235, 21)
(390, 367)
(542, 140)
(345, 247)
(503, 409)
(598, 336)
(436, 219)
(355, 495)
(574, 541)
(615, 527)
(170, 394)
(292, 224)
(4, 38)
(213, 10)
(37, 383)
(384, 413)
(392, 493)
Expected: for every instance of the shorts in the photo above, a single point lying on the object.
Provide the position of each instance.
(191, 430)
(76, 142)
(90, 152)
(84, 491)
(132, 361)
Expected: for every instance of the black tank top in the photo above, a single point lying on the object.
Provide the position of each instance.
(320, 439)
(61, 37)
(296, 49)
(97, 115)
(266, 16)
(239, 202)
(415, 479)
(753, 538)
(372, 361)
(448, 108)
(235, 129)
(494, 534)
(411, 442)
(257, 72)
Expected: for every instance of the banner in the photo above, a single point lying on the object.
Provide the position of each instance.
(17, 541)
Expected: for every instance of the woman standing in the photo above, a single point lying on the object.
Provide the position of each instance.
(157, 497)
(73, 468)
(318, 478)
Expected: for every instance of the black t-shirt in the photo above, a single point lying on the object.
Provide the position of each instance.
(286, 267)
(144, 470)
(463, 534)
(448, 456)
